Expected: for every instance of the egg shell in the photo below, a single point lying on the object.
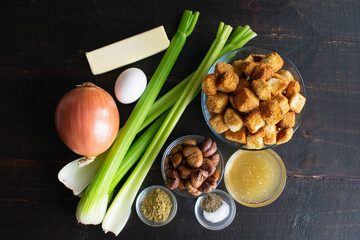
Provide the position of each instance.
(130, 85)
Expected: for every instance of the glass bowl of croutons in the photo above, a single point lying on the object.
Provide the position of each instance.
(192, 165)
(253, 99)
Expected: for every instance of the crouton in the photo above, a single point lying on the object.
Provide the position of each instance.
(208, 84)
(227, 82)
(292, 88)
(288, 120)
(233, 120)
(262, 89)
(246, 100)
(284, 135)
(263, 70)
(212, 114)
(277, 85)
(222, 67)
(231, 100)
(259, 133)
(218, 123)
(270, 134)
(243, 83)
(274, 61)
(254, 121)
(257, 57)
(284, 103)
(284, 75)
(296, 102)
(248, 67)
(254, 143)
(237, 63)
(249, 59)
(217, 103)
(238, 136)
(271, 111)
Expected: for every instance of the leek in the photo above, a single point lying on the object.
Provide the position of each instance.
(90, 207)
(117, 215)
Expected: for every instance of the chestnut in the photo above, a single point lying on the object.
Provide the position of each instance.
(198, 177)
(172, 178)
(193, 156)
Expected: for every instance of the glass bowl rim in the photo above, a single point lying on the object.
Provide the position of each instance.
(272, 197)
(184, 193)
(228, 220)
(203, 96)
(140, 198)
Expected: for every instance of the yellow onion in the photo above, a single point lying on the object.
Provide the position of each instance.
(87, 121)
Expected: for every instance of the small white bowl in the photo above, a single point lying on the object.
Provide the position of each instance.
(140, 199)
(199, 212)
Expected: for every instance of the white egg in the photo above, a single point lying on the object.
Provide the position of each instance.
(130, 84)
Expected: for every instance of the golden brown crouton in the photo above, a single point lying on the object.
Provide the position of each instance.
(208, 84)
(233, 120)
(227, 82)
(222, 67)
(212, 114)
(262, 89)
(284, 135)
(257, 57)
(288, 120)
(274, 61)
(218, 123)
(259, 133)
(263, 70)
(249, 59)
(217, 103)
(284, 75)
(292, 88)
(297, 102)
(243, 83)
(270, 134)
(248, 67)
(277, 85)
(254, 121)
(246, 100)
(231, 100)
(284, 103)
(238, 136)
(254, 143)
(237, 63)
(271, 111)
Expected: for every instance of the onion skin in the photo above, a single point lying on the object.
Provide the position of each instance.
(87, 120)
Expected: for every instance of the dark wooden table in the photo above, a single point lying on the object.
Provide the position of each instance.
(42, 47)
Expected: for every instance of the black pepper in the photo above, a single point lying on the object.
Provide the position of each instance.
(211, 202)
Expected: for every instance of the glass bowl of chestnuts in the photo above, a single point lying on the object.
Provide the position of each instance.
(192, 165)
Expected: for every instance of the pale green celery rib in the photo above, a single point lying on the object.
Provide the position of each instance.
(121, 206)
(87, 211)
(136, 150)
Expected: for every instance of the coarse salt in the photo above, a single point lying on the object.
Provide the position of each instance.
(219, 214)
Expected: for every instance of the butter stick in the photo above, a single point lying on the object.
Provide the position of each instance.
(128, 51)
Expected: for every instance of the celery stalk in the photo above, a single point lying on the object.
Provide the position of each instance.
(116, 217)
(77, 179)
(87, 210)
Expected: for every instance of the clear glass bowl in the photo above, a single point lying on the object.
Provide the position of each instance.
(242, 53)
(199, 213)
(271, 197)
(140, 199)
(185, 193)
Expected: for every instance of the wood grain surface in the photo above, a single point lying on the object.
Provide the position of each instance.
(42, 48)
